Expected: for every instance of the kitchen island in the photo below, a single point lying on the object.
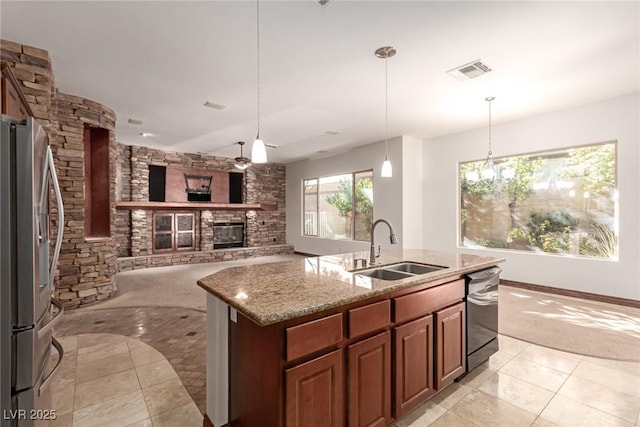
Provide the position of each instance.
(315, 342)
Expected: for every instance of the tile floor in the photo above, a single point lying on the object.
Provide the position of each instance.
(178, 333)
(116, 381)
(528, 385)
(108, 380)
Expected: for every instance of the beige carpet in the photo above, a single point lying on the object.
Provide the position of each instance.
(570, 324)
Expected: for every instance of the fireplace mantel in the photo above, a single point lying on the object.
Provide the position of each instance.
(196, 206)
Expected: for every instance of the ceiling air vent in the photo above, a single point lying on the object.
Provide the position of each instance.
(470, 70)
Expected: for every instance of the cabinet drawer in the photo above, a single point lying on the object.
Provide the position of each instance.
(313, 336)
(410, 306)
(369, 318)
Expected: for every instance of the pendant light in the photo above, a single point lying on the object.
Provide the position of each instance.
(242, 162)
(489, 172)
(259, 150)
(386, 53)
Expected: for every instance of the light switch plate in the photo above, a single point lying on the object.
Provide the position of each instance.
(233, 315)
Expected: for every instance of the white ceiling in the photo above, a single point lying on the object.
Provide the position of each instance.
(160, 61)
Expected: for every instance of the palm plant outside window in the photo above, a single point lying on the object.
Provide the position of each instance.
(561, 202)
(339, 206)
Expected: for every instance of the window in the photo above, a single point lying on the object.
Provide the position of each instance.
(331, 210)
(559, 202)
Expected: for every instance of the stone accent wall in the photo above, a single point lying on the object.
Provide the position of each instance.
(86, 266)
(32, 68)
(123, 192)
(135, 263)
(266, 183)
(263, 184)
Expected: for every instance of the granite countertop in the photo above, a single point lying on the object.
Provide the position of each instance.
(274, 292)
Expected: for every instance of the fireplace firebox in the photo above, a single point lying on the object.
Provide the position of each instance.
(228, 235)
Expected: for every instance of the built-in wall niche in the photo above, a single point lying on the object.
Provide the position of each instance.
(97, 215)
(157, 183)
(173, 232)
(178, 184)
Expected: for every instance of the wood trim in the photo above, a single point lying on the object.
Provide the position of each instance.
(7, 73)
(571, 293)
(194, 206)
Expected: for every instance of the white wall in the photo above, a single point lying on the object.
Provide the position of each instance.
(412, 193)
(387, 195)
(616, 119)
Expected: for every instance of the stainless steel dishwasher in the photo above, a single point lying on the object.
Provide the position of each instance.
(482, 315)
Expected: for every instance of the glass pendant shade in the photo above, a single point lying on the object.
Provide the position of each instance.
(489, 173)
(508, 174)
(472, 176)
(387, 171)
(242, 163)
(258, 152)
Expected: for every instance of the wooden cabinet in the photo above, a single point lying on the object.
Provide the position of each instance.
(12, 101)
(314, 393)
(414, 382)
(326, 332)
(369, 382)
(429, 351)
(173, 232)
(349, 366)
(450, 344)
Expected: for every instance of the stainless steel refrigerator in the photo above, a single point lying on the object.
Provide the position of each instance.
(27, 310)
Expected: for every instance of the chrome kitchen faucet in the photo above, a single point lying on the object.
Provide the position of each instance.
(392, 237)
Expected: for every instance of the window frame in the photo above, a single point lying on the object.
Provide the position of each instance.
(546, 153)
(353, 203)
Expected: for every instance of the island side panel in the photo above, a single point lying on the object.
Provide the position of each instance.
(217, 361)
(256, 359)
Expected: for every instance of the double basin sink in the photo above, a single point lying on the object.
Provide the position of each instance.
(399, 271)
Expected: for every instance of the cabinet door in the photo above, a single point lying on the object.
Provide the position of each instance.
(414, 364)
(369, 382)
(314, 393)
(450, 336)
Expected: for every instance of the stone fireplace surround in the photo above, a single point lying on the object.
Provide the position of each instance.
(88, 265)
(263, 184)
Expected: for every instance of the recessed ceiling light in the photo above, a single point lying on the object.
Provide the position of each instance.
(145, 134)
(332, 132)
(135, 121)
(214, 105)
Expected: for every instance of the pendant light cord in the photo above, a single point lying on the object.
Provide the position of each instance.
(490, 151)
(258, 52)
(386, 109)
